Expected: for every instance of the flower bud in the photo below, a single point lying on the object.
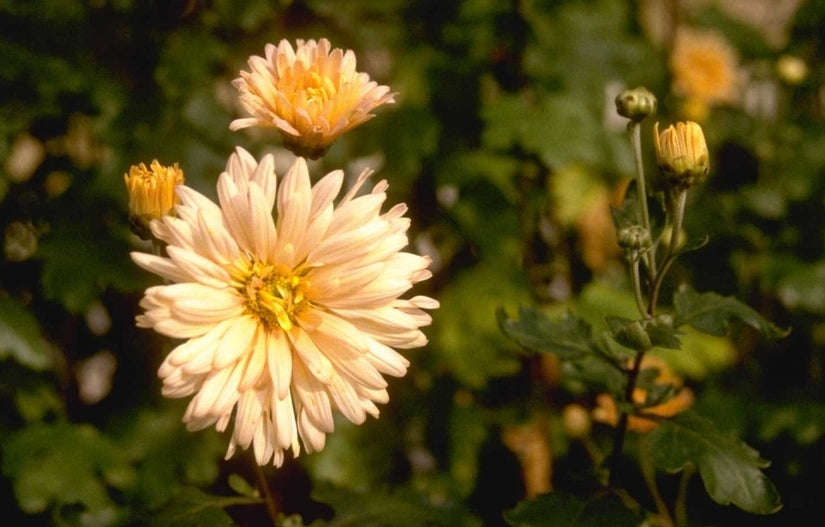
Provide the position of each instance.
(634, 238)
(151, 194)
(636, 104)
(682, 154)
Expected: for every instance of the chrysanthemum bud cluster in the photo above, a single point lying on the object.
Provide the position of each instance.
(287, 296)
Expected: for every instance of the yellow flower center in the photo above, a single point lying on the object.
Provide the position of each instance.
(319, 88)
(274, 294)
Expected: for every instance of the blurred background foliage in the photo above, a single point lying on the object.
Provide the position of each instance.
(505, 144)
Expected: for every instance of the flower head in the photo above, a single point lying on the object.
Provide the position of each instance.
(682, 154)
(311, 94)
(151, 193)
(705, 69)
(288, 319)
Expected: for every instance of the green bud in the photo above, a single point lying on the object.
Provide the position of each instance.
(634, 238)
(636, 104)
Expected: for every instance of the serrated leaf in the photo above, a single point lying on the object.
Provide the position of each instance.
(712, 313)
(566, 336)
(377, 509)
(730, 469)
(63, 463)
(191, 507)
(565, 510)
(20, 336)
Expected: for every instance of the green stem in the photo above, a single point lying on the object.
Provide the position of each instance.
(157, 247)
(634, 129)
(269, 500)
(637, 284)
(621, 427)
(672, 248)
(649, 474)
(680, 508)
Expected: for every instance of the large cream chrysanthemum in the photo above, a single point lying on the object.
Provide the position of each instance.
(286, 320)
(310, 94)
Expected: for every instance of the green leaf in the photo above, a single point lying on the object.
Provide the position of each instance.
(165, 454)
(20, 336)
(465, 339)
(566, 336)
(712, 313)
(61, 464)
(191, 507)
(376, 509)
(78, 266)
(730, 469)
(628, 214)
(565, 510)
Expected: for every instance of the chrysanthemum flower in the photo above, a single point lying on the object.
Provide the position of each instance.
(705, 70)
(286, 320)
(310, 94)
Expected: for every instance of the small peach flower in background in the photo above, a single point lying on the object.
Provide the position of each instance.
(151, 194)
(285, 319)
(310, 94)
(606, 411)
(705, 70)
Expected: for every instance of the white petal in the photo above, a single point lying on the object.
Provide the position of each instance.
(279, 362)
(163, 267)
(314, 360)
(239, 339)
(313, 398)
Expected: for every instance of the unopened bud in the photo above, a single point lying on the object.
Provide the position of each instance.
(682, 154)
(636, 104)
(634, 238)
(151, 194)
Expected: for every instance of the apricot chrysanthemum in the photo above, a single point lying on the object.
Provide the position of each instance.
(311, 94)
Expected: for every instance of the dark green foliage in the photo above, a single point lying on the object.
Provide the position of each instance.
(506, 147)
(564, 510)
(730, 469)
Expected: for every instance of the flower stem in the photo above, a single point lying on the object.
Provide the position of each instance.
(637, 284)
(649, 474)
(634, 130)
(672, 250)
(269, 500)
(621, 427)
(680, 508)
